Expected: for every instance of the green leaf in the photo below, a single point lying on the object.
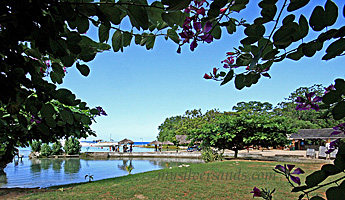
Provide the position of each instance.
(331, 13)
(138, 17)
(288, 19)
(315, 178)
(66, 116)
(47, 110)
(112, 13)
(239, 5)
(94, 111)
(336, 193)
(296, 4)
(231, 28)
(173, 36)
(103, 33)
(269, 10)
(310, 48)
(137, 39)
(335, 49)
(175, 5)
(331, 169)
(50, 122)
(82, 24)
(239, 81)
(126, 38)
(340, 85)
(150, 41)
(244, 59)
(68, 61)
(56, 77)
(43, 128)
(117, 41)
(65, 96)
(303, 26)
(296, 55)
(257, 30)
(331, 97)
(228, 77)
(317, 18)
(338, 111)
(173, 18)
(83, 69)
(270, 55)
(216, 32)
(283, 36)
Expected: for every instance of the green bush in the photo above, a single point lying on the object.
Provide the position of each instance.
(46, 150)
(72, 146)
(208, 155)
(36, 145)
(56, 148)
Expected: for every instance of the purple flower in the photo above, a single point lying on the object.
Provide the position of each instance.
(101, 111)
(193, 45)
(338, 129)
(36, 120)
(308, 103)
(256, 192)
(332, 146)
(288, 172)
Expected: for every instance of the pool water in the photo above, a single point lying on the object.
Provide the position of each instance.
(50, 172)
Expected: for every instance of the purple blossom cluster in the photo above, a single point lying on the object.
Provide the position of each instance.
(340, 128)
(36, 120)
(308, 102)
(101, 111)
(287, 171)
(332, 146)
(193, 29)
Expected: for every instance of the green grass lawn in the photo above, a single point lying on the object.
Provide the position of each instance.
(219, 180)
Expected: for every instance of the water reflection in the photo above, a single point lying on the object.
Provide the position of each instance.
(35, 166)
(72, 165)
(125, 164)
(46, 163)
(57, 164)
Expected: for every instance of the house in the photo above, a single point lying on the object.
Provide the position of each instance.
(318, 136)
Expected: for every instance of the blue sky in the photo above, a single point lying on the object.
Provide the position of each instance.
(139, 88)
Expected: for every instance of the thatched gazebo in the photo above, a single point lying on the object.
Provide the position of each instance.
(155, 142)
(167, 143)
(126, 141)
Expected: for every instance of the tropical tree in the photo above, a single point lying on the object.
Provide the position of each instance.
(56, 148)
(238, 130)
(255, 106)
(72, 146)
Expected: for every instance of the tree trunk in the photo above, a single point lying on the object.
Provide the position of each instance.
(236, 153)
(7, 157)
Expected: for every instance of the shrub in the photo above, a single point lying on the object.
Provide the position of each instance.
(72, 146)
(36, 145)
(56, 148)
(46, 150)
(208, 155)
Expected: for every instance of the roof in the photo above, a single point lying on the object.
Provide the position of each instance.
(324, 133)
(183, 139)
